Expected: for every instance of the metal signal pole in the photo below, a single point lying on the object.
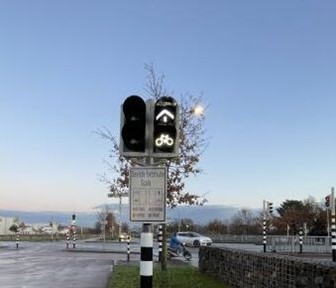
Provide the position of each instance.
(264, 226)
(333, 226)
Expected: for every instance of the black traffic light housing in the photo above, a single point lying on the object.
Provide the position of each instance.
(165, 128)
(133, 127)
(149, 129)
(327, 201)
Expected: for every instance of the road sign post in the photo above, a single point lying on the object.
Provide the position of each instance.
(148, 194)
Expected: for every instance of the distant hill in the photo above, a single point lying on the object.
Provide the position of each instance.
(200, 214)
(63, 218)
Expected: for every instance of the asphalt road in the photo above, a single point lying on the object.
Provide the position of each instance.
(50, 264)
(37, 265)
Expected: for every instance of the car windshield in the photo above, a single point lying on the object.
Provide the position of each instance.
(194, 234)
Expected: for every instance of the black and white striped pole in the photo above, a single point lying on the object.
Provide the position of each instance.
(17, 239)
(146, 257)
(333, 226)
(264, 226)
(128, 248)
(301, 239)
(73, 231)
(160, 242)
(68, 237)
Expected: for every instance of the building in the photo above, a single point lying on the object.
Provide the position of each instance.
(39, 228)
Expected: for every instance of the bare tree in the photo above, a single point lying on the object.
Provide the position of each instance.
(193, 143)
(106, 220)
(217, 226)
(244, 222)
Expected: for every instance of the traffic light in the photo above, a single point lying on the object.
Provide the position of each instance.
(270, 207)
(327, 201)
(166, 128)
(133, 127)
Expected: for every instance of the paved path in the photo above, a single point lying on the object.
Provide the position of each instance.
(41, 265)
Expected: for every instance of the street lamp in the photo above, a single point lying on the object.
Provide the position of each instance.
(198, 110)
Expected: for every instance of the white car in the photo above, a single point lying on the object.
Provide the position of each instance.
(124, 237)
(193, 239)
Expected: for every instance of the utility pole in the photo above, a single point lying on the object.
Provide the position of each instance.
(328, 207)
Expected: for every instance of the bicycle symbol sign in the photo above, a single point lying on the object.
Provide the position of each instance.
(164, 140)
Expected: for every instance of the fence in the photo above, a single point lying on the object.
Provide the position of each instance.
(228, 238)
(291, 244)
(32, 237)
(280, 243)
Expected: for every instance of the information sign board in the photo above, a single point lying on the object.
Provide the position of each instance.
(148, 194)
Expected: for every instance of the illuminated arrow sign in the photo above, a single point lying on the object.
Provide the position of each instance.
(165, 128)
(165, 114)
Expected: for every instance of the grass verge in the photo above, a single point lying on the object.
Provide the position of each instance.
(179, 277)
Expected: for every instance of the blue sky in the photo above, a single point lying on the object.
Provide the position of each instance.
(266, 68)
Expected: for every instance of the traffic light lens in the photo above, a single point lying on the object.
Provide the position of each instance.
(134, 136)
(134, 129)
(164, 138)
(134, 106)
